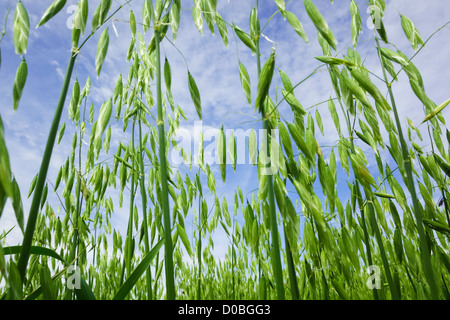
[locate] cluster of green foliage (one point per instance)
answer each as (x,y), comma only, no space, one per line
(390,219)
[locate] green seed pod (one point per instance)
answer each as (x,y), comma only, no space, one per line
(320,23)
(265,79)
(285,139)
(255,27)
(244,38)
(19,83)
(384,195)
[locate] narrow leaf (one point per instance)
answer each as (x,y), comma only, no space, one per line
(138,272)
(34,250)
(440,227)
(184,238)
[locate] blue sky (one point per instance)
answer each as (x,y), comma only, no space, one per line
(215,69)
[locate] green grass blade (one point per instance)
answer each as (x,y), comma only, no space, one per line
(32,217)
(34,250)
(168,246)
(418,213)
(84,293)
(275,253)
(137,273)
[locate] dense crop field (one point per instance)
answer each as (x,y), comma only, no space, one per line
(173,149)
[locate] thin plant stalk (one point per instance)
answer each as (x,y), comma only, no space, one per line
(393,288)
(129,242)
(168,246)
(144,210)
(75,239)
(276,259)
(326,295)
(295,295)
(155,286)
(42,176)
(423,243)
(441,187)
(233,260)
(360,202)
(199,251)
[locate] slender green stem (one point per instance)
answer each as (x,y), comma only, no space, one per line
(144,210)
(42,176)
(155,287)
(295,295)
(168,246)
(276,259)
(6,21)
(366,233)
(360,202)
(326,295)
(129,242)
(424,247)
(233,261)
(393,288)
(75,239)
(441,187)
(199,251)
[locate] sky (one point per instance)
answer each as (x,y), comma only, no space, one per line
(215,70)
